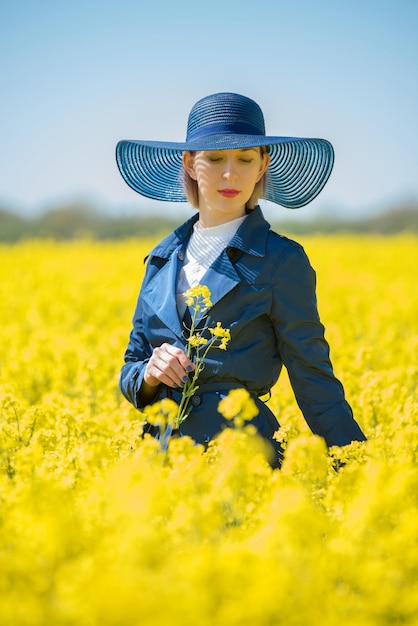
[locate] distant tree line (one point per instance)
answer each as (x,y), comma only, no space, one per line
(78,220)
(75,221)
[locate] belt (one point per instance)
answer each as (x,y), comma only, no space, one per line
(220,386)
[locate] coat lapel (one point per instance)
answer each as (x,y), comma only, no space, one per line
(220,279)
(160,293)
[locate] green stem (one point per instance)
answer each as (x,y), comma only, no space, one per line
(191,386)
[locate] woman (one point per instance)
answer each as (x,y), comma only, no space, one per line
(262,285)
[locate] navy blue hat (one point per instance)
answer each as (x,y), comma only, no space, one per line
(298,169)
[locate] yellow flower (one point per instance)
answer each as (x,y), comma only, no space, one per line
(238,406)
(161,413)
(198,297)
(224,334)
(218,331)
(197,340)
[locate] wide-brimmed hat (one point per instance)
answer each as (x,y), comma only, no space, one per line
(298,170)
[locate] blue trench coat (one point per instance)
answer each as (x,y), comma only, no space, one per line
(263,289)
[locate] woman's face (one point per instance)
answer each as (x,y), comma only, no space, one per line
(225,180)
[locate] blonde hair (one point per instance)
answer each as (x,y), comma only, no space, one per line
(192,191)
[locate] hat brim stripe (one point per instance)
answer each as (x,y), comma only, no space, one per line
(299,167)
(299,171)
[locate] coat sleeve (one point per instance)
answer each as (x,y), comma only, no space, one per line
(137,355)
(139,349)
(305,351)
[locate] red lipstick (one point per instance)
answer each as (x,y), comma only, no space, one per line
(228,193)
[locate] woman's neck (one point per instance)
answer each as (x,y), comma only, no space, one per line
(208,220)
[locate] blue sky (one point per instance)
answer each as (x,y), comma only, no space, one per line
(77,76)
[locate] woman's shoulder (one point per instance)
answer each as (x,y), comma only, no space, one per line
(260,234)
(280,244)
(288,260)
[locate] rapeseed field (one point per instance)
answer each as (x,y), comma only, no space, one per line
(98,527)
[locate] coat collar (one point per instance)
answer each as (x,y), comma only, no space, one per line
(221,277)
(251,236)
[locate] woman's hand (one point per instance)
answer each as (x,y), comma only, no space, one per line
(168,365)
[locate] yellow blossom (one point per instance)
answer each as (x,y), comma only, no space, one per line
(198,297)
(161,413)
(218,331)
(238,406)
(197,340)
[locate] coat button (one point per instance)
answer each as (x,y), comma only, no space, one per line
(180,255)
(195,400)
